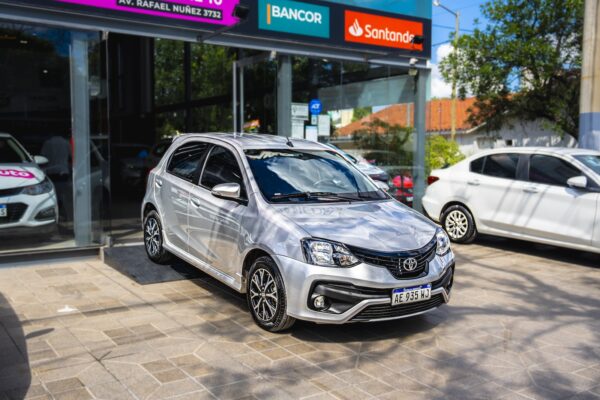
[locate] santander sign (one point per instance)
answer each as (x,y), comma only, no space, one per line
(382,31)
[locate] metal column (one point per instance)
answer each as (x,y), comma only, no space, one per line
(589,114)
(284,96)
(419,161)
(80,120)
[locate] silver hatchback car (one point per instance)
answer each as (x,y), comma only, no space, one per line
(298,229)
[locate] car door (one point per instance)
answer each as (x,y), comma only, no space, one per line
(173,188)
(214,223)
(494,191)
(552,209)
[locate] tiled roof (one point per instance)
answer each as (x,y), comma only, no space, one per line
(438,116)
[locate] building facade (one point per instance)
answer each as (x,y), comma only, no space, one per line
(96,89)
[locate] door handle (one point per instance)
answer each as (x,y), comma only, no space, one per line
(473,182)
(196,202)
(158,182)
(530,189)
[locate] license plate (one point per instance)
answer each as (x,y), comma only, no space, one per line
(411,295)
(409,198)
(3,211)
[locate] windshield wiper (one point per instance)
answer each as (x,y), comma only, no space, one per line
(314,195)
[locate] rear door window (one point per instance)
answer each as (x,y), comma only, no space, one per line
(551,170)
(501,165)
(186,160)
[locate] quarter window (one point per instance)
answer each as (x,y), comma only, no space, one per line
(186,160)
(477,165)
(222,167)
(551,170)
(501,165)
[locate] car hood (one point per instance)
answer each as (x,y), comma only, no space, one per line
(19,175)
(386,226)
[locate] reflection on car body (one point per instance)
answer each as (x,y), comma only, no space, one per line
(300,231)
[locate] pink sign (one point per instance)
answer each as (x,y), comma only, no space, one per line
(14,173)
(207,11)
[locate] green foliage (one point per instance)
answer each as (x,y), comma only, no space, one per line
(388,143)
(440,153)
(361,112)
(524,65)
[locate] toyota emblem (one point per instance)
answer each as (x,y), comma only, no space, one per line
(409,264)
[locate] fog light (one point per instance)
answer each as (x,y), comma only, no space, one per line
(320,303)
(45,214)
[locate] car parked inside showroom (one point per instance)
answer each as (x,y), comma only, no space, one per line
(28,203)
(302,232)
(545,195)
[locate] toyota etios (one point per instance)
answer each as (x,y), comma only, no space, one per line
(298,229)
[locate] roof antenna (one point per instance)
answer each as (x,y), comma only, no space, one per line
(289,142)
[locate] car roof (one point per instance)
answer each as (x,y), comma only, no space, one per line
(251,141)
(5,135)
(567,151)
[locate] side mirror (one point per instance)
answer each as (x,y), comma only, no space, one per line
(578,182)
(227,191)
(382,186)
(40,160)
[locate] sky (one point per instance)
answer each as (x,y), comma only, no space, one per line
(443,26)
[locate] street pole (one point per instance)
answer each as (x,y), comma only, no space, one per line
(589,107)
(455,75)
(456,14)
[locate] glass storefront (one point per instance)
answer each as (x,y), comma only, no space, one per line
(53,135)
(101,110)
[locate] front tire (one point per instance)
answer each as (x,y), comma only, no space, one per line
(459,224)
(265,293)
(153,239)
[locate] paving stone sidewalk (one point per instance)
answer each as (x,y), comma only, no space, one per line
(521,324)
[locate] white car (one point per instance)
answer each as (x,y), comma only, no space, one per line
(545,195)
(28,202)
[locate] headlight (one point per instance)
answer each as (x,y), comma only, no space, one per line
(443,242)
(328,254)
(35,190)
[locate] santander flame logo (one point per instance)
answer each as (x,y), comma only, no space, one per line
(355,29)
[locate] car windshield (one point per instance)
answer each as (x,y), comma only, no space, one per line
(11,152)
(591,161)
(309,176)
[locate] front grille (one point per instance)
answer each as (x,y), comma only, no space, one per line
(14,213)
(393,261)
(10,192)
(382,311)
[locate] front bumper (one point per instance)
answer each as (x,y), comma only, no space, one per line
(361,293)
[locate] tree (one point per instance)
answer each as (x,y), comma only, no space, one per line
(524,65)
(440,153)
(385,142)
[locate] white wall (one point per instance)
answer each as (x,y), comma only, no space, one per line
(530,133)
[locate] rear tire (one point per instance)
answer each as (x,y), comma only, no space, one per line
(153,239)
(265,293)
(459,224)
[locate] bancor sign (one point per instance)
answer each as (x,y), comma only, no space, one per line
(382,31)
(293,17)
(206,11)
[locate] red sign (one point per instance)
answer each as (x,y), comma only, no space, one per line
(382,31)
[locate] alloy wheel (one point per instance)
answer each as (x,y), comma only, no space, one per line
(263,295)
(456,225)
(152,236)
